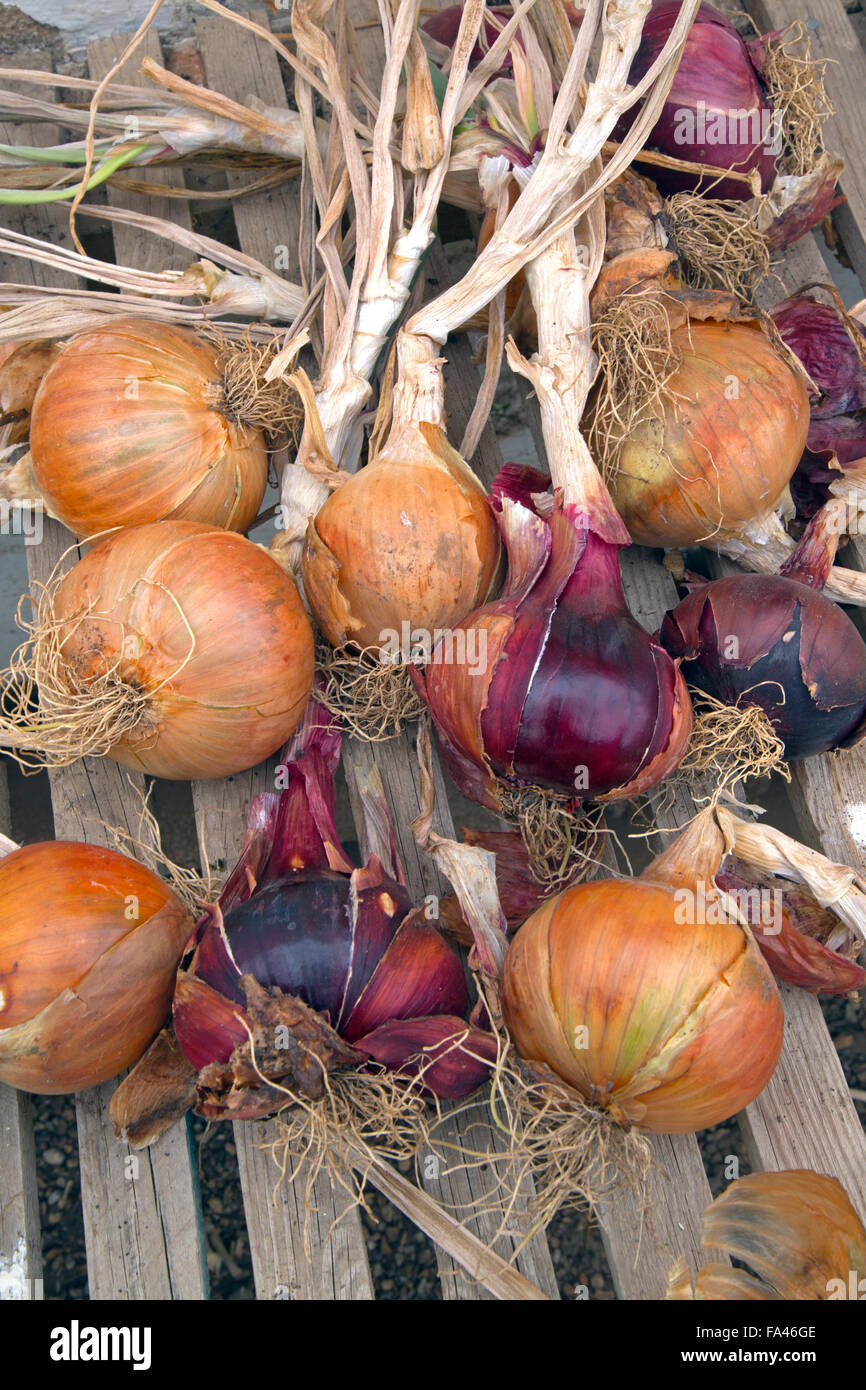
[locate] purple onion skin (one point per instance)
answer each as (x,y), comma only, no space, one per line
(818,337)
(821,667)
(296,917)
(716,69)
(575,695)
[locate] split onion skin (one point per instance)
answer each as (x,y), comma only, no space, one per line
(684,1023)
(128,426)
(244,686)
(89,945)
(712,461)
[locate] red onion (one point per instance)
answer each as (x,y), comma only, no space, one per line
(573,694)
(777,642)
(716,81)
(832,347)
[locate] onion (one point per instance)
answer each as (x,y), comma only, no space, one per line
(333,956)
(777,642)
(716,79)
(831,344)
(410,538)
(797,1232)
(89,946)
(131,424)
(665,1018)
(175,648)
(22,368)
(721,443)
(555,684)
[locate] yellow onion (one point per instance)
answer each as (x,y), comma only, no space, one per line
(721,446)
(192,639)
(89,945)
(131,424)
(797,1232)
(665,1017)
(410,538)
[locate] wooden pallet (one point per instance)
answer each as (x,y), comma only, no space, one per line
(142,1221)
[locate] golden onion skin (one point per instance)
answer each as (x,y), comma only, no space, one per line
(403,540)
(89,946)
(208,625)
(128,426)
(733,429)
(683,1022)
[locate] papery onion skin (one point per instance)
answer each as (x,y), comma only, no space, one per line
(210,627)
(407,539)
(89,945)
(796,1229)
(772,641)
(128,426)
(683,1022)
(732,430)
(716,72)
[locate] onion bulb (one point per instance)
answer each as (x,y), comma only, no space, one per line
(131,424)
(646,996)
(176,648)
(797,1232)
(777,642)
(720,446)
(410,538)
(89,945)
(555,684)
(334,958)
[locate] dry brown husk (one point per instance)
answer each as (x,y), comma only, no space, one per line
(373,698)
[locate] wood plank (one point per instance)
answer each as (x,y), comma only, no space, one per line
(133,247)
(336,1265)
(141,1220)
(20,1234)
(834,38)
(240,65)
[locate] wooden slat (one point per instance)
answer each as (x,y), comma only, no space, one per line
(141,1222)
(20,1236)
(132,246)
(335,1264)
(833,37)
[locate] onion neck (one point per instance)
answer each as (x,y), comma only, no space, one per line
(763,546)
(562,372)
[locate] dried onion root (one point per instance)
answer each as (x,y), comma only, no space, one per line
(631,337)
(372,697)
(796,81)
(729,745)
(719,242)
(562,837)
